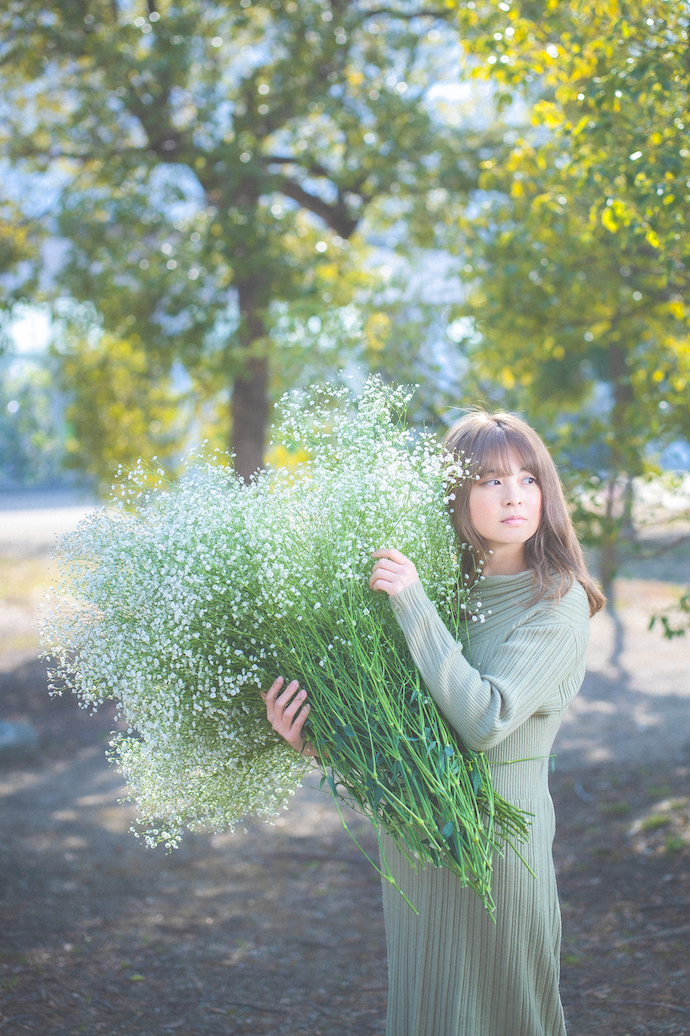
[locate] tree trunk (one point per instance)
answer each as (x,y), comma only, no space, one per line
(608,551)
(250,391)
(249,418)
(617,526)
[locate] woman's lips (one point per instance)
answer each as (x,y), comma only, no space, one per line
(515,519)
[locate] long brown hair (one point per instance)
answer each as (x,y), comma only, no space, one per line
(481,439)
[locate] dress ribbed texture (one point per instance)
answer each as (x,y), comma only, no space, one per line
(452,971)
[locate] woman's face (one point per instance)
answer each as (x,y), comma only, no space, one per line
(505,506)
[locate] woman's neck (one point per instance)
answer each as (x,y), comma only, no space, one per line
(508,560)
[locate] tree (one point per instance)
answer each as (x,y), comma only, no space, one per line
(19,239)
(31,424)
(219,156)
(121,408)
(613,78)
(581,245)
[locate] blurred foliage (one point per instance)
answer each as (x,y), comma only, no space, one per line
(579,243)
(220,158)
(19,240)
(668,620)
(613,79)
(14,243)
(418,346)
(221,162)
(122,407)
(31,421)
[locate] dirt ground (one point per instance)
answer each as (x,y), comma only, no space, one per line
(278,931)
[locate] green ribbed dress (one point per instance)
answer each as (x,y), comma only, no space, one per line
(452,971)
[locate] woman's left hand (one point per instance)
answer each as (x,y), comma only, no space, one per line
(287,713)
(392,572)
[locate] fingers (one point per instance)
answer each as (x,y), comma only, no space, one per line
(299,720)
(392,572)
(276,702)
(381,578)
(290,705)
(389,552)
(386,565)
(287,711)
(273,691)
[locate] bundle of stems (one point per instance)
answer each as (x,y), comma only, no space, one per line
(386,750)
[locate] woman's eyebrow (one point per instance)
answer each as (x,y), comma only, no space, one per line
(501,473)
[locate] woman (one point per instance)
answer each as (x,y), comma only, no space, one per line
(453,971)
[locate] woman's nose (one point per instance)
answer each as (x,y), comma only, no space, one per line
(512,495)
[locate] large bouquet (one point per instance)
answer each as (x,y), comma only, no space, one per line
(183,601)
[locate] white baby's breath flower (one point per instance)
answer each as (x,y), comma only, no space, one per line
(181,602)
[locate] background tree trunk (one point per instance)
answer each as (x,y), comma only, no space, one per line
(249,418)
(250,390)
(619,499)
(608,549)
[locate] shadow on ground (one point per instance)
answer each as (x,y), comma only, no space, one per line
(279,930)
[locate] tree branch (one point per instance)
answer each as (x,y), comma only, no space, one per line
(337,217)
(659,552)
(313,170)
(406,16)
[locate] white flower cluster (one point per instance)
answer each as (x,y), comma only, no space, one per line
(184,601)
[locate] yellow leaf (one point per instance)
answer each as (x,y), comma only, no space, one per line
(280,457)
(653,239)
(608,220)
(541,199)
(549,113)
(329,271)
(376,330)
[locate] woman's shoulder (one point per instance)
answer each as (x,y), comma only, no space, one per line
(569,607)
(515,595)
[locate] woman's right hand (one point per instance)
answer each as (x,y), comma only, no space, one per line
(287,713)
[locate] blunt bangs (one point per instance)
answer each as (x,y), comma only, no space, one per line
(491,451)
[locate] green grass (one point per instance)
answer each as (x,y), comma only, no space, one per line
(659,791)
(654,822)
(616,809)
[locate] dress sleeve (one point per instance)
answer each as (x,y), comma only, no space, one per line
(484,708)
